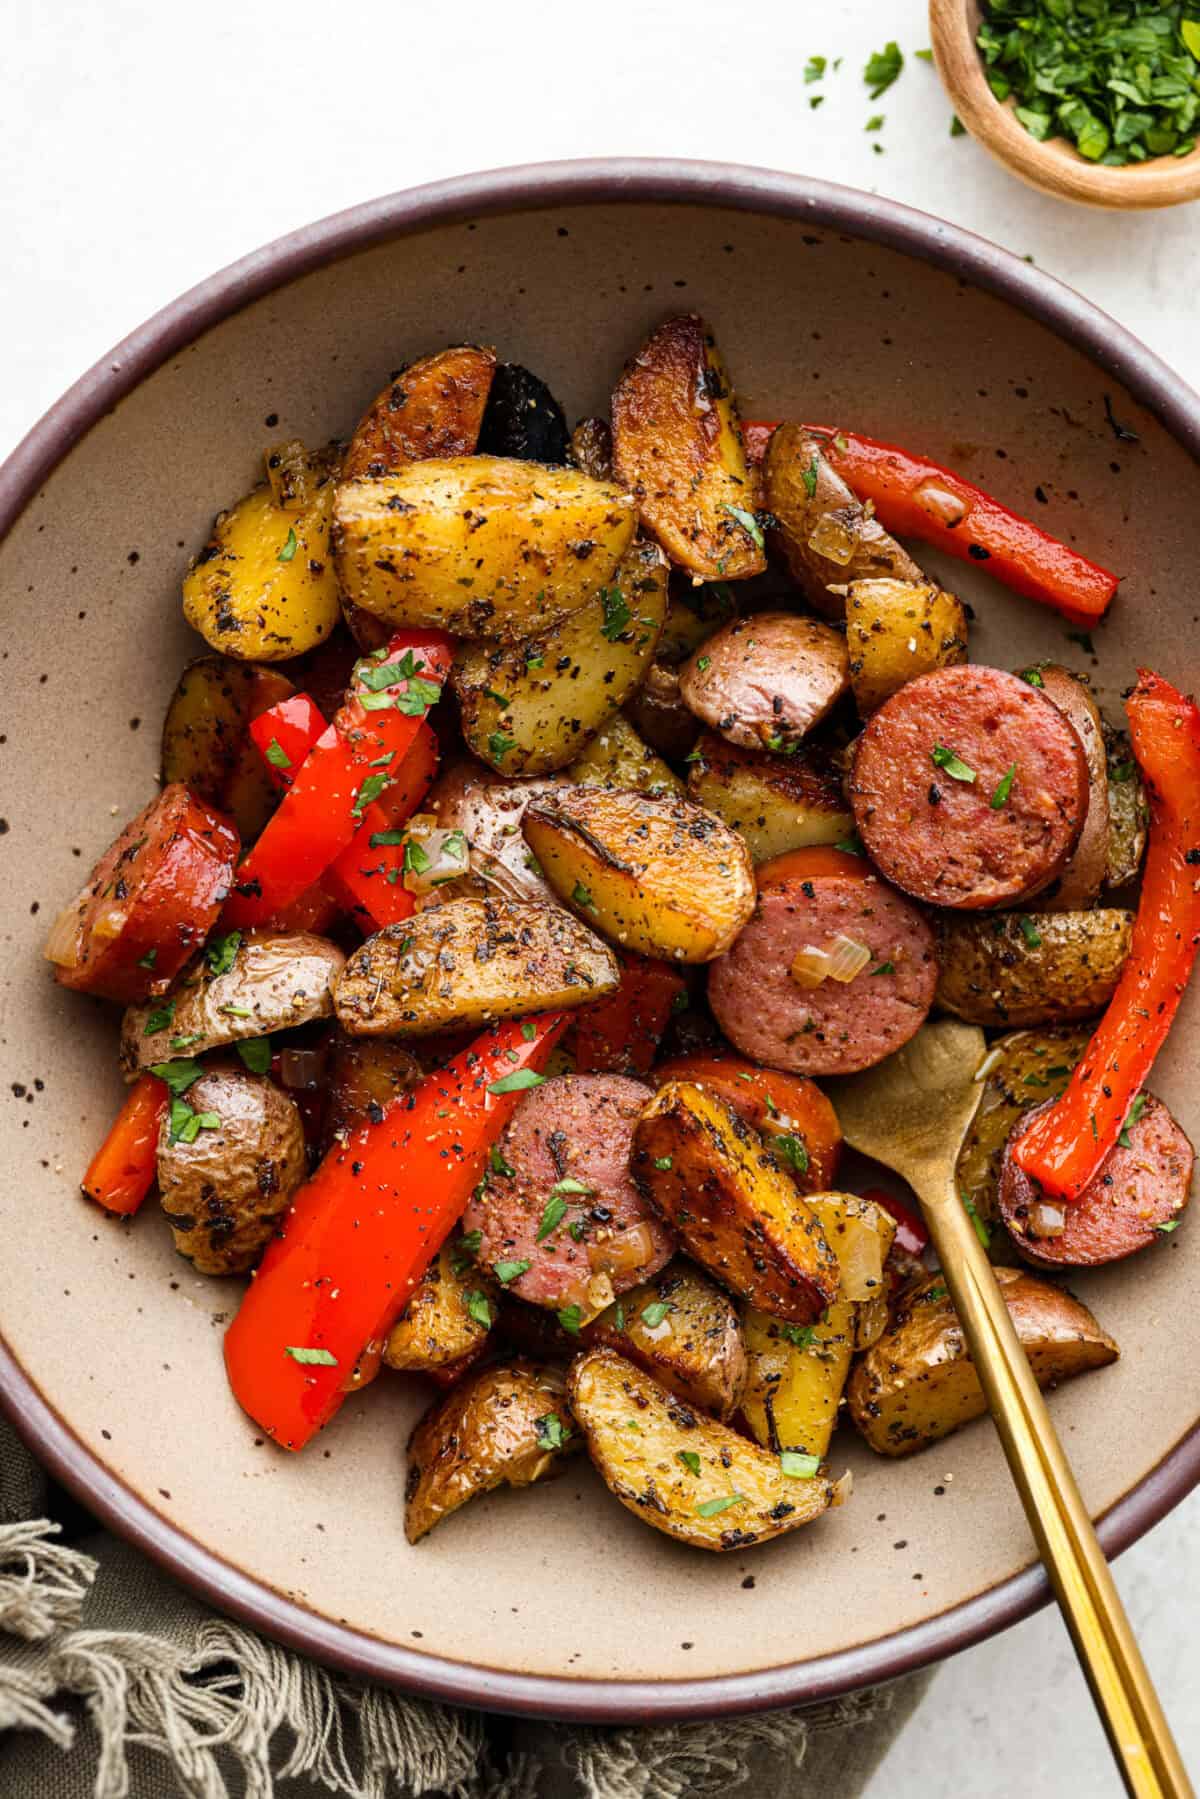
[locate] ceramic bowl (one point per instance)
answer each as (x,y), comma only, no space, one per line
(830,305)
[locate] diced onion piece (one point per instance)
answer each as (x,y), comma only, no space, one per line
(591,1296)
(948,508)
(432,857)
(842,961)
(835,535)
(994,1055)
(859,1250)
(62,945)
(623,1251)
(110,923)
(842,1488)
(1046,1220)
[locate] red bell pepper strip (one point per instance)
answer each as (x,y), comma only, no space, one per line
(348,767)
(911,1233)
(359,1235)
(122,1171)
(1063,1147)
(284,734)
(915,497)
(371,871)
(621,1034)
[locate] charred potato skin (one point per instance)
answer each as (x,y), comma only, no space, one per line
(470,962)
(523,418)
(223,1193)
(437,1329)
(896,630)
(1023,1069)
(654,875)
(917,1383)
(263,588)
(365,1075)
(483,1435)
(434,407)
(206,742)
(993,973)
(276,981)
(737,1213)
(678,444)
(775,803)
(536,544)
(643,1468)
(703,1356)
(530,708)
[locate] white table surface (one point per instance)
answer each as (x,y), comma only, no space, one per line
(144,144)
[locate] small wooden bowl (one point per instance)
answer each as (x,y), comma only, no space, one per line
(1055,166)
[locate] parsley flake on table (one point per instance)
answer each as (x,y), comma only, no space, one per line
(883,69)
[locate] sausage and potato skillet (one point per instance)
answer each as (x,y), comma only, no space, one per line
(549,812)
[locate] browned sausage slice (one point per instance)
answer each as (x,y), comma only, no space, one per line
(969,788)
(836,1027)
(1142,1185)
(559,1197)
(763,682)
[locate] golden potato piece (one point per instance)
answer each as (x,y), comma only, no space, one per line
(501,1426)
(1020,968)
(528,708)
(678,443)
(653,874)
(1128,812)
(737,1213)
(617,757)
(206,740)
(776,803)
(896,630)
(433,408)
(443,1322)
(684,1474)
(263,588)
(918,1383)
(591,448)
(684,1331)
(829,539)
(364,1076)
(295,474)
(659,715)
(796,1375)
(860,1233)
(1022,1070)
(470,962)
(484,546)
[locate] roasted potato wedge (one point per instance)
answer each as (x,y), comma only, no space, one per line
(684,1474)
(678,444)
(659,715)
(501,1426)
(529,708)
(796,1376)
(918,1383)
(776,803)
(617,757)
(483,546)
(828,538)
(432,408)
(365,1074)
(296,474)
(712,1177)
(470,962)
(685,1331)
(1079,883)
(694,614)
(896,630)
(1128,813)
(263,588)
(1018,968)
(860,1233)
(206,742)
(590,448)
(653,874)
(1022,1069)
(268,981)
(443,1322)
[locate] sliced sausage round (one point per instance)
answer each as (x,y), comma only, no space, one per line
(559,1196)
(1083,874)
(150,901)
(223,1183)
(969,788)
(836,1027)
(1142,1185)
(763,682)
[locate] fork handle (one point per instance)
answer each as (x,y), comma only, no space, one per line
(1138,1732)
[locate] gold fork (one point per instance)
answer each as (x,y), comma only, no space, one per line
(911,1113)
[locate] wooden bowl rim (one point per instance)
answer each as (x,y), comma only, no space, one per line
(1054,166)
(601,181)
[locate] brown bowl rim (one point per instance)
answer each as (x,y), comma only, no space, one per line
(616,180)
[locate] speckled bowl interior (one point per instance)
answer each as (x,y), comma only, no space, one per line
(830,306)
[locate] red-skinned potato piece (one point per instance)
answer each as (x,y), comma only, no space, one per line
(149,903)
(789,1110)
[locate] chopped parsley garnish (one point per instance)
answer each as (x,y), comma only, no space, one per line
(1169,1225)
(552,1216)
(814,68)
(529,1030)
(800,1336)
(517,1081)
(690,1460)
(810,475)
(386,840)
(1135,1112)
(885,968)
(1029,931)
(177,1075)
(551,1432)
(852,846)
(219,954)
(703,662)
(370,790)
(662,1163)
(501,700)
(1122,771)
(149,959)
(185,1125)
(311,1358)
(186,1041)
(571,1318)
(290,547)
(709,1508)
(748,522)
(256,1054)
(876,123)
(800,1467)
(499,744)
(1033,676)
(1003,788)
(936,1293)
(277,756)
(415,861)
(655,1312)
(883,69)
(792,1150)
(159,1020)
(571,1185)
(616,613)
(981,1229)
(479,1307)
(508,1271)
(953,765)
(581,896)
